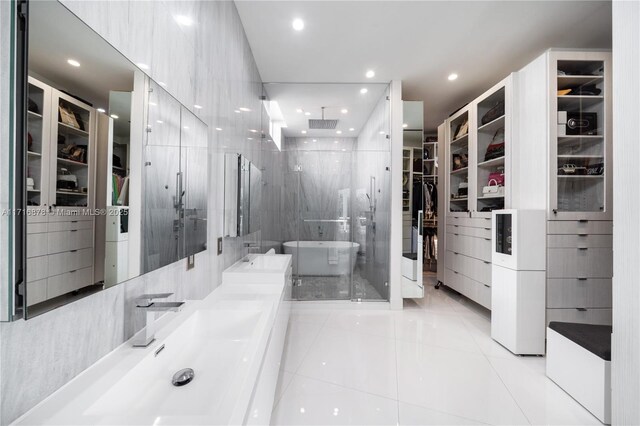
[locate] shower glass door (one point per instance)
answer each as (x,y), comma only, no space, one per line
(324,255)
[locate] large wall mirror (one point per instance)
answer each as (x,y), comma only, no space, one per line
(116,169)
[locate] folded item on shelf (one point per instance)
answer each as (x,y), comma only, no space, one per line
(595,169)
(584,90)
(496,111)
(564,92)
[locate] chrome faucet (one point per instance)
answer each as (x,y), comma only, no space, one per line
(146,303)
(252,245)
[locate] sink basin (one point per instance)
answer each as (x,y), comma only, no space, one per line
(260,269)
(214,343)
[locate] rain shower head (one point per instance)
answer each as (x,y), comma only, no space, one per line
(322,124)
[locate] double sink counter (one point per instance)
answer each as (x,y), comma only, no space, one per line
(233,340)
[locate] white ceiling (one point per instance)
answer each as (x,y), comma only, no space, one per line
(418,42)
(335,97)
(55,35)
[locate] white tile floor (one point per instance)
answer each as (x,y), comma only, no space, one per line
(432,363)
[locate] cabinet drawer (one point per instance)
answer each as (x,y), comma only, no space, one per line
(79,215)
(484,295)
(579,263)
(580,227)
(70,225)
(469,231)
(454,280)
(70,281)
(586,316)
(479,248)
(37,244)
(582,240)
(76,239)
(70,261)
(471,222)
(574,293)
(37,268)
(476,269)
(36,292)
(36,228)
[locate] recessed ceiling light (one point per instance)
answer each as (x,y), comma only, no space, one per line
(364,90)
(306,141)
(335,142)
(314,140)
(142,66)
(298,24)
(224,146)
(183,20)
(196,106)
(162,83)
(351,129)
(153,103)
(337,161)
(339,132)
(249,139)
(452,76)
(299,110)
(304,132)
(253,130)
(344,149)
(100,110)
(218,129)
(307,113)
(370,74)
(115,117)
(159,121)
(73,62)
(244,109)
(237,111)
(381,132)
(186,127)
(344,110)
(405,125)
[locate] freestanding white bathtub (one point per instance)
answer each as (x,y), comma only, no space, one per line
(322,258)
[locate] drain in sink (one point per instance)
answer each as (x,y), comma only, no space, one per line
(183,377)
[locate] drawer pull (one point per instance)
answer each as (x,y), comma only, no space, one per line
(74,221)
(455,226)
(486,285)
(583,221)
(487,239)
(487,229)
(583,248)
(456,234)
(486,263)
(582,279)
(581,309)
(71,272)
(455,272)
(583,235)
(72,251)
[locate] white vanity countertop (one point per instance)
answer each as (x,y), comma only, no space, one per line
(223,338)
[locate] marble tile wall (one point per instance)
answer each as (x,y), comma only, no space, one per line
(209,64)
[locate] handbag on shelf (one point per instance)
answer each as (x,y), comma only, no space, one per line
(571,169)
(463,189)
(493,188)
(596,169)
(462,129)
(496,147)
(497,177)
(67,117)
(495,112)
(460,161)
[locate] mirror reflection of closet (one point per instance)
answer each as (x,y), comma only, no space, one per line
(412,198)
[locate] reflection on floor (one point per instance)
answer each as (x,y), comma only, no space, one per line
(432,363)
(335,288)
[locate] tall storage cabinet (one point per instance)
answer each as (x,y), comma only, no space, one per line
(60,193)
(564,99)
(477,169)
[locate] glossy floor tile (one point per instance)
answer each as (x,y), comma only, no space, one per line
(433,363)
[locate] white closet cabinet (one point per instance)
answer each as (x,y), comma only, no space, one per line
(60,228)
(476,158)
(564,99)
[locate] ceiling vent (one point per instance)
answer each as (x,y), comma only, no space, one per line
(322,124)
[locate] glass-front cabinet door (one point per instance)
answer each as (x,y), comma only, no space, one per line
(458,169)
(72,153)
(38,128)
(580,172)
